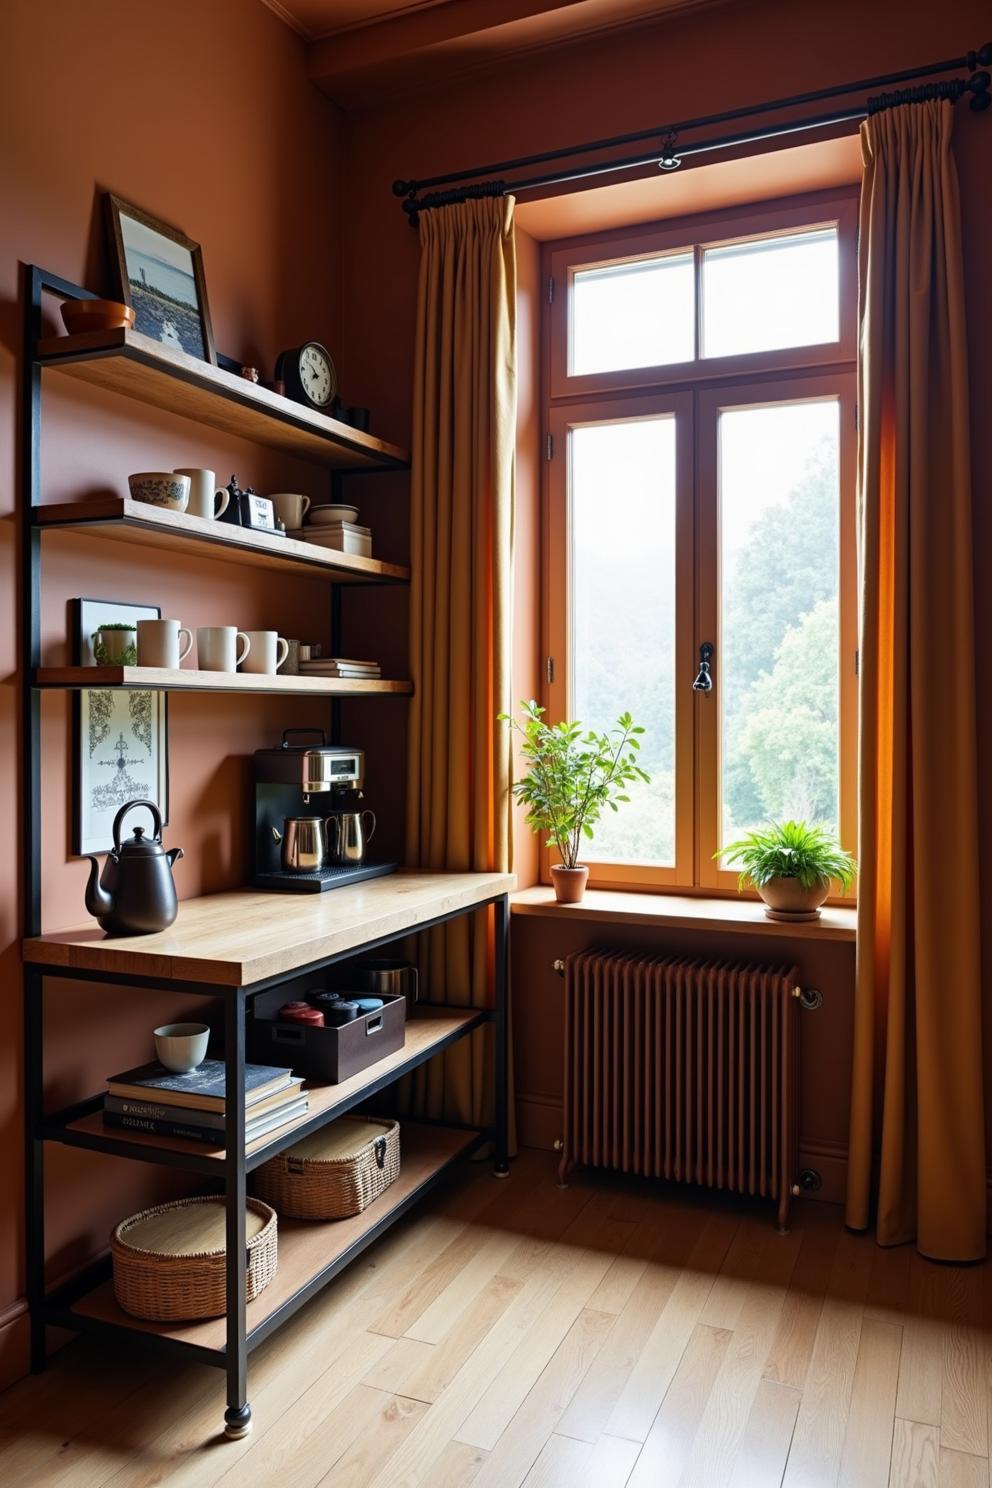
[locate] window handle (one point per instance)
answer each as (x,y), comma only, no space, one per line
(704,679)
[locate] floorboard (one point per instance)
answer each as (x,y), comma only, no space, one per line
(608,1335)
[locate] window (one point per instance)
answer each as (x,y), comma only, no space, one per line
(700,490)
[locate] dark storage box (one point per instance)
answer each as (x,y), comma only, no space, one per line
(326,1055)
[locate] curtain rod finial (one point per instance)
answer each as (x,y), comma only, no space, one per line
(404,188)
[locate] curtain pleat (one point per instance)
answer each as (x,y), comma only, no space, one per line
(917,1147)
(459,770)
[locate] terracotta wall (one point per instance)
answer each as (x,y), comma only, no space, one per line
(203,115)
(745,52)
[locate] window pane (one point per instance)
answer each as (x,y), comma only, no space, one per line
(622,495)
(777,292)
(778,658)
(633,315)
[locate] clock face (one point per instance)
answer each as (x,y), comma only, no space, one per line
(316,374)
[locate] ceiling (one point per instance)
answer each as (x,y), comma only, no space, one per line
(362,50)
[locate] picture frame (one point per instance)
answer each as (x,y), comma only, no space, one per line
(120,737)
(159,275)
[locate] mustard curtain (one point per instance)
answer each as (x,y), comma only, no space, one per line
(459,770)
(917,1100)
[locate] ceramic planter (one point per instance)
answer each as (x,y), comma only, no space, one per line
(570,883)
(787,899)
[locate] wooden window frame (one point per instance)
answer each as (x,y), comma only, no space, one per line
(695,392)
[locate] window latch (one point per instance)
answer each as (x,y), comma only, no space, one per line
(704,679)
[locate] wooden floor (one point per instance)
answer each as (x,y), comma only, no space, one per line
(515,1334)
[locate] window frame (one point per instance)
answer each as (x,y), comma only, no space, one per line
(694,392)
(712,230)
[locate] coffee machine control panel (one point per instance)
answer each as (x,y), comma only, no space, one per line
(311,771)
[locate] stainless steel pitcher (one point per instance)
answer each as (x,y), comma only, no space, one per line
(386,976)
(350,833)
(304,843)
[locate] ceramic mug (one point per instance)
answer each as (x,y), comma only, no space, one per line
(217,648)
(290,508)
(182,1047)
(266,651)
(159,643)
(204,496)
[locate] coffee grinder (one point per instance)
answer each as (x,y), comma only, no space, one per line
(303,795)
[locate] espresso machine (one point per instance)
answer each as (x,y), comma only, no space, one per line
(312,828)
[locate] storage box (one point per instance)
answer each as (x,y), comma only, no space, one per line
(335,1172)
(326,1055)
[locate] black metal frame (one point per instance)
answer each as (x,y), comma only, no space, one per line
(669,152)
(232,1170)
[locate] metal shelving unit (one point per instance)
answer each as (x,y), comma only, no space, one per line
(307,940)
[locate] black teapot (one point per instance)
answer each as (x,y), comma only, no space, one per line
(136,894)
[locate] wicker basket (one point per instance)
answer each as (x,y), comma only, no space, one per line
(334,1173)
(169,1262)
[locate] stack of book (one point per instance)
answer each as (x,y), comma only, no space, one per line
(340,666)
(153,1099)
(347,537)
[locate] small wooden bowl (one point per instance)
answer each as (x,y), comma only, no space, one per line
(96,315)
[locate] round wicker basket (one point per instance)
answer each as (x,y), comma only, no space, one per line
(334,1173)
(169,1262)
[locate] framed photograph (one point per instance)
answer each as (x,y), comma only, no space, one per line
(120,737)
(160,275)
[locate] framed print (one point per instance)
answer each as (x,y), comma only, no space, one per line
(160,275)
(120,736)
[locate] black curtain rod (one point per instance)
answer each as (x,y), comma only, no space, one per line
(670,153)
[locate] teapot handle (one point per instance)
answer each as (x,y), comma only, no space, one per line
(129,806)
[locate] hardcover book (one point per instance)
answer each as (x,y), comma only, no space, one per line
(202,1089)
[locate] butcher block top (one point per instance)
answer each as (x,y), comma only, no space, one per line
(247,935)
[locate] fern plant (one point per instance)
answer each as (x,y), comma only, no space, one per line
(574,775)
(810,854)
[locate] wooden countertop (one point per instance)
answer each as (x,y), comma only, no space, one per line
(684,912)
(247,935)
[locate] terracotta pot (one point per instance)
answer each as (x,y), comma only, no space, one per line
(570,883)
(786,899)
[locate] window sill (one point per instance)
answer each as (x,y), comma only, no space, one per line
(731,916)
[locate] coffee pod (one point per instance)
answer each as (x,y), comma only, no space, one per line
(301,1012)
(339,1012)
(368,1004)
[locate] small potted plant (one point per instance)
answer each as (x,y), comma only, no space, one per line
(791,864)
(574,775)
(115,644)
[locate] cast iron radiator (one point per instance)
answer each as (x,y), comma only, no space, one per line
(683,1069)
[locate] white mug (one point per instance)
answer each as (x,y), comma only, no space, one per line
(216,648)
(266,651)
(203,495)
(290,508)
(159,643)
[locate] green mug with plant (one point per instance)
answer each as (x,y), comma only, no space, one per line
(574,775)
(791,864)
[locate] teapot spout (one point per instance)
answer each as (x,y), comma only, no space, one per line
(173,854)
(98,902)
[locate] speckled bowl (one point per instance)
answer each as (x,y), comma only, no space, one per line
(160,488)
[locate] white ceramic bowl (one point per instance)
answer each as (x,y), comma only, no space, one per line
(160,488)
(182,1046)
(326,516)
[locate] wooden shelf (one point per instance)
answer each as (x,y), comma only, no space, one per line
(684,912)
(428,1032)
(166,679)
(134,365)
(246,936)
(309,1250)
(120,519)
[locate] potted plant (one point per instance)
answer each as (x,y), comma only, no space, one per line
(573,775)
(115,644)
(791,864)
